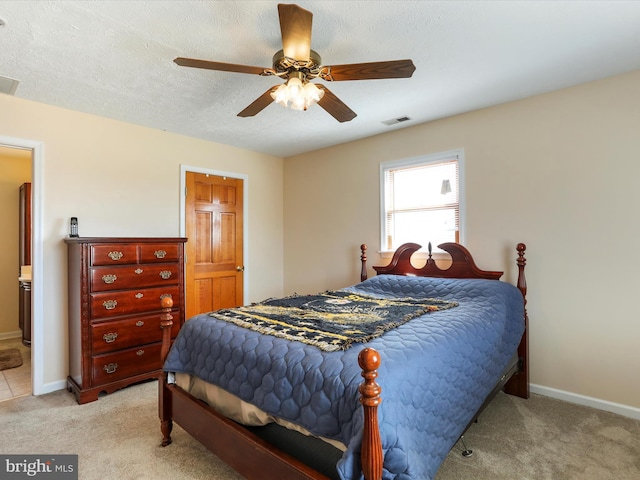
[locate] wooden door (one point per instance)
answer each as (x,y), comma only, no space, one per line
(213,218)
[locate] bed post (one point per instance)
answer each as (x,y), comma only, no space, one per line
(518,385)
(164,396)
(371,454)
(363,261)
(166,322)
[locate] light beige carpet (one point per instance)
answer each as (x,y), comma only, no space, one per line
(546,439)
(118,437)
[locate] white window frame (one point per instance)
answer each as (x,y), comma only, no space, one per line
(439,157)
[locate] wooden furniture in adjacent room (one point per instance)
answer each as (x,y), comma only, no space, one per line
(115,289)
(24,263)
(24,246)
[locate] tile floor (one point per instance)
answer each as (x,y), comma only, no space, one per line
(16,382)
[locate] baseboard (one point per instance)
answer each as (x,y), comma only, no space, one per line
(620,409)
(8,335)
(54,386)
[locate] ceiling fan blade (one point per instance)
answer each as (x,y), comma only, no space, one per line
(259,104)
(335,107)
(295,27)
(225,67)
(368,71)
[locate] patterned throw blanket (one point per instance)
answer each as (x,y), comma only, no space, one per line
(331,321)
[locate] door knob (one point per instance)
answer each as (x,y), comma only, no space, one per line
(240,268)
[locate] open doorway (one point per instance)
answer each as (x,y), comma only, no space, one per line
(31,151)
(15,265)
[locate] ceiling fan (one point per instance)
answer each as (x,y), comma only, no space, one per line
(298,64)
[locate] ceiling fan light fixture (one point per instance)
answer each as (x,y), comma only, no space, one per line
(296,94)
(312,93)
(298,103)
(279,95)
(294,88)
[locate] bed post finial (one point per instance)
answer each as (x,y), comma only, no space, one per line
(166,322)
(363,261)
(371,454)
(521,261)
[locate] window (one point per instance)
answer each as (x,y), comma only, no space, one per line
(421,200)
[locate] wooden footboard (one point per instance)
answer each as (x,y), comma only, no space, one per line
(241,449)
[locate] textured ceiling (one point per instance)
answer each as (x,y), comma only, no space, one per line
(114,59)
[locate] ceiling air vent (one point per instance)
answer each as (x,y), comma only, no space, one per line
(393,121)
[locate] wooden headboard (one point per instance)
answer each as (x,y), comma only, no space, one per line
(462,263)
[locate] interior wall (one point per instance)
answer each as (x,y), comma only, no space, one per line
(121,179)
(555,171)
(16,170)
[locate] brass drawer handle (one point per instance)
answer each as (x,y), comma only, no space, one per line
(110,304)
(165,274)
(111,368)
(115,256)
(139,323)
(110,337)
(160,253)
(109,278)
(139,295)
(138,271)
(140,353)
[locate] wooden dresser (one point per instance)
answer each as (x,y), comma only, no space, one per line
(115,289)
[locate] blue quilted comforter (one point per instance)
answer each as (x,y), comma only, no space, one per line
(436,371)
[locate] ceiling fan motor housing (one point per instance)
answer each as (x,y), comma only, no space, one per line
(285,66)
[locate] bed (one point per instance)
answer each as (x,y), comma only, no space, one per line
(462,338)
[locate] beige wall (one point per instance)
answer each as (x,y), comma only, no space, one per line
(123,180)
(556,171)
(15,168)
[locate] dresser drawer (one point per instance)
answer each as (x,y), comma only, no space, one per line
(127,363)
(111,304)
(115,254)
(160,252)
(134,276)
(114,335)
